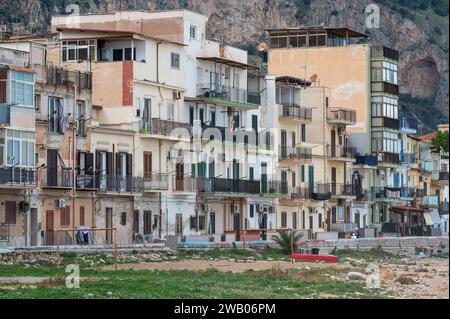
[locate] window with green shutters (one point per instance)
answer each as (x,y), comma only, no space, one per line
(201,169)
(193,170)
(302,173)
(303,127)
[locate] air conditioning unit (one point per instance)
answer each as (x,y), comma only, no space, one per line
(177,95)
(60,203)
(235,208)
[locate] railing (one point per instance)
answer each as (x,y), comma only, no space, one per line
(62,77)
(341,115)
(297,153)
(341,151)
(430,201)
(321,191)
(227,185)
(369,160)
(274,187)
(426,166)
(342,189)
(408,124)
(5,114)
(420,193)
(385,192)
(85,181)
(166,128)
(155,181)
(440,175)
(407,158)
(386,122)
(184,183)
(117,183)
(300,193)
(57,178)
(296,112)
(4,232)
(228,93)
(17,176)
(407,192)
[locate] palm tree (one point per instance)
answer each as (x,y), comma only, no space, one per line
(284,240)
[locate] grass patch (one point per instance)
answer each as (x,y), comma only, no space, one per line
(368,256)
(235,253)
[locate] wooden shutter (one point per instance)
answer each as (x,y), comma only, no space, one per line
(10,212)
(82,217)
(147,222)
(109,163)
(52,167)
(147,164)
(117,172)
(129,165)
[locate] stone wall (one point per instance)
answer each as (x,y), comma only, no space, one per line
(394,245)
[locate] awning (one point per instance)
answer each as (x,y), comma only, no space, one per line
(435,216)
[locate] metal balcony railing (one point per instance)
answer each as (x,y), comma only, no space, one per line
(321,191)
(300,193)
(17,176)
(369,160)
(274,187)
(385,192)
(407,192)
(228,185)
(426,166)
(342,189)
(341,116)
(117,183)
(155,181)
(296,112)
(295,153)
(341,151)
(227,93)
(166,128)
(184,183)
(57,178)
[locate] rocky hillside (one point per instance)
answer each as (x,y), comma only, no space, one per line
(417,28)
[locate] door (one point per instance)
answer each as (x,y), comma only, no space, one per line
(333,143)
(333,180)
(311,178)
(121,170)
(147,165)
(347,214)
(235,175)
(357,219)
(49,228)
(135,224)
(333,215)
(102,168)
(283,144)
(212,223)
(264,177)
(33,227)
(179,176)
(237,226)
(284,183)
(52,167)
(191,116)
(146,116)
(147,222)
(108,224)
(263,225)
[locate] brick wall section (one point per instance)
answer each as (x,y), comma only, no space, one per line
(392,244)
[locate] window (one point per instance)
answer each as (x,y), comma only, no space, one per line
(385,142)
(193,32)
(175,60)
(340,213)
(82,216)
(20,147)
(78,50)
(294,220)
(303,128)
(302,173)
(179,223)
(54,114)
(170,110)
(22,88)
(37,102)
(65,216)
(283,219)
(383,106)
(293,179)
(303,220)
(3,79)
(252,211)
(320,221)
(201,222)
(146,114)
(123,218)
(390,72)
(10,212)
(81,118)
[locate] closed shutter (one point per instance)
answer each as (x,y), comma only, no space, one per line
(147,164)
(118,170)
(82,217)
(10,212)
(109,163)
(147,222)
(52,167)
(129,171)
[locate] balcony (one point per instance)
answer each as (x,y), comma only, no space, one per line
(390,158)
(274,188)
(408,125)
(166,128)
(184,184)
(439,177)
(385,87)
(295,153)
(228,185)
(385,122)
(407,193)
(61,77)
(430,201)
(321,192)
(407,158)
(155,181)
(342,190)
(426,167)
(17,177)
(117,183)
(341,116)
(228,96)
(295,113)
(300,193)
(385,193)
(14,57)
(368,160)
(421,193)
(341,152)
(384,52)
(53,178)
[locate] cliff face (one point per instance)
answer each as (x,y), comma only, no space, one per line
(419,33)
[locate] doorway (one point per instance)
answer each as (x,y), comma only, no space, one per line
(237,226)
(49,226)
(33,227)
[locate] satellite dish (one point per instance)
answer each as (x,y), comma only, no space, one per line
(262,47)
